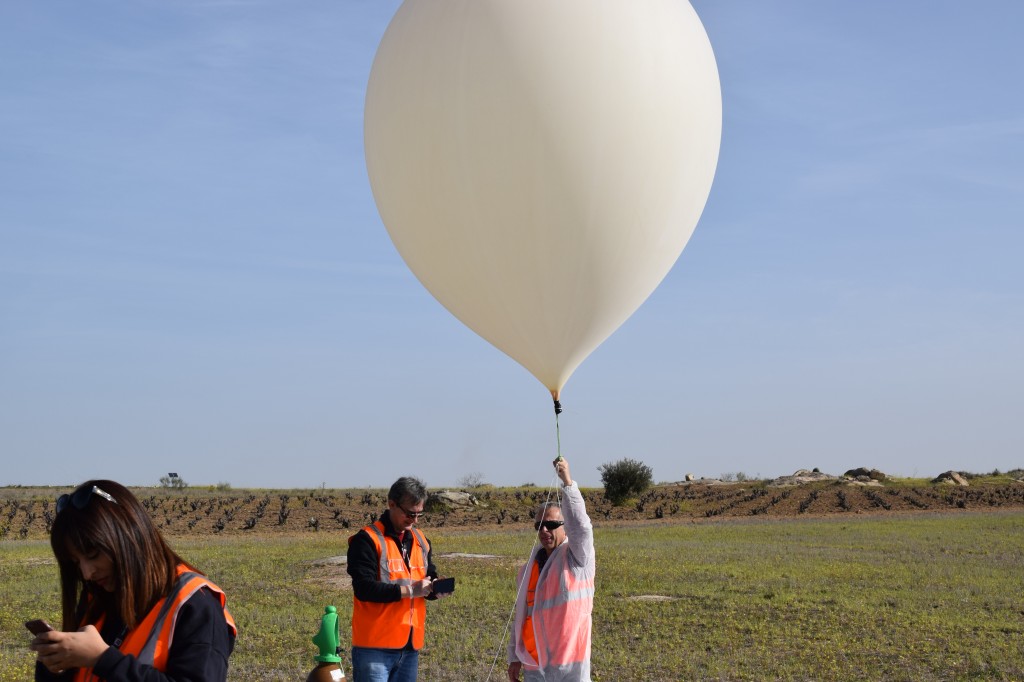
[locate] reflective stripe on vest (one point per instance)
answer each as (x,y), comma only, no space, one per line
(150,640)
(387,625)
(581,589)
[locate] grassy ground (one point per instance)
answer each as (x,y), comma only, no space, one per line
(900,597)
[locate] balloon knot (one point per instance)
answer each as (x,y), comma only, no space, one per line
(558,407)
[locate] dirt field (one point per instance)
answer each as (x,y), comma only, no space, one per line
(27,513)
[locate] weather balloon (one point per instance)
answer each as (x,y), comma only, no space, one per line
(539,164)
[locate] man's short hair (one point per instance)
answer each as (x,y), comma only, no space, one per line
(543,507)
(407,488)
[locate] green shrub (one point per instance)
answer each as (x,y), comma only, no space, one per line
(624,479)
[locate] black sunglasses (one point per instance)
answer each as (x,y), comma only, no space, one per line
(411,515)
(80,498)
(548,525)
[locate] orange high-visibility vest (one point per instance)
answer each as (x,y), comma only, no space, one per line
(380,625)
(529,640)
(150,640)
(560,615)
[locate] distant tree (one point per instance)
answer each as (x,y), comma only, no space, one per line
(473,479)
(173,481)
(624,479)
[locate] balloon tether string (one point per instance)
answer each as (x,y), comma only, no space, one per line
(522,581)
(558,435)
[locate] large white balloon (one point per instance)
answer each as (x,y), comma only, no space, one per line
(540,164)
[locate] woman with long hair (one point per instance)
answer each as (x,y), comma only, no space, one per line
(133,610)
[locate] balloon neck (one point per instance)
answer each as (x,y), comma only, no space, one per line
(558,405)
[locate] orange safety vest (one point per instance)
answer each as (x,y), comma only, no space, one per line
(554,613)
(150,640)
(560,614)
(385,625)
(529,638)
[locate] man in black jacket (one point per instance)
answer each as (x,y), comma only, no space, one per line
(390,561)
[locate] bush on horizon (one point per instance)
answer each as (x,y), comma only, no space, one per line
(624,479)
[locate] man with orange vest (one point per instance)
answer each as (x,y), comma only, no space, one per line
(551,636)
(392,571)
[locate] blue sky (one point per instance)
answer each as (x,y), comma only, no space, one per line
(194,277)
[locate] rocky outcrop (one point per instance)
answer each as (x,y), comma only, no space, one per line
(863,474)
(451,499)
(951,478)
(801,476)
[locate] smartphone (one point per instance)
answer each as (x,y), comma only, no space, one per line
(443,585)
(38,626)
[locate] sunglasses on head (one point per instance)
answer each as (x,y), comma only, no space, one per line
(80,498)
(548,525)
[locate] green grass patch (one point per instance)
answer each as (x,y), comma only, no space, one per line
(934,597)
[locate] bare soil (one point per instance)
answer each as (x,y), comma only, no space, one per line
(27,513)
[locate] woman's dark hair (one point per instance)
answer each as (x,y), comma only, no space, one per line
(145,567)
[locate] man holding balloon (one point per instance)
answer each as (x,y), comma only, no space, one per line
(551,636)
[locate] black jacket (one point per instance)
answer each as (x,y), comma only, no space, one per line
(199,651)
(363,564)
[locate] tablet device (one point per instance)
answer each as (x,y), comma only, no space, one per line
(443,585)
